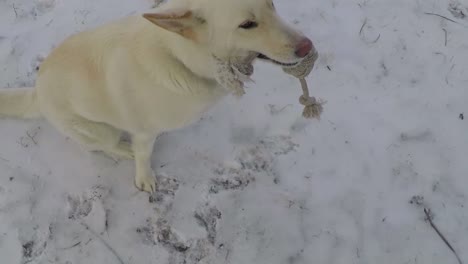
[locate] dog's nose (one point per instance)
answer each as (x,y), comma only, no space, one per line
(304,47)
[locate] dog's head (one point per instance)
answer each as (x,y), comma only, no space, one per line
(235,28)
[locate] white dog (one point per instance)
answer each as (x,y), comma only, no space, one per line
(153,73)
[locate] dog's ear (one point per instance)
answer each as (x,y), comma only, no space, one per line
(181,22)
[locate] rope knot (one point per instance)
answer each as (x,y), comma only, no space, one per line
(307,100)
(313,108)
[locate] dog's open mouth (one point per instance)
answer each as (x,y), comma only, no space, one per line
(284,64)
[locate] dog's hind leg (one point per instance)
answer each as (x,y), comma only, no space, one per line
(96,136)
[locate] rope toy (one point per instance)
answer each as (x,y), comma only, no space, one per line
(232,75)
(313,108)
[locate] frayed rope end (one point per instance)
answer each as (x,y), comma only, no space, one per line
(313,108)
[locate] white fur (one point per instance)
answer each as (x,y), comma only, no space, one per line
(132,75)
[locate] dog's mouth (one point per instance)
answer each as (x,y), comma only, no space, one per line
(284,64)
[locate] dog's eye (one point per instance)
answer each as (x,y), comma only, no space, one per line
(248,24)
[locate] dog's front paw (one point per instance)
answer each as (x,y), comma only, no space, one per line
(146,183)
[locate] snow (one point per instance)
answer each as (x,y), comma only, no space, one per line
(253,182)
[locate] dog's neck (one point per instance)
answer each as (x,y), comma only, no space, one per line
(192,64)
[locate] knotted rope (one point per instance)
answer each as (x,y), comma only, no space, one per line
(313,108)
(233,74)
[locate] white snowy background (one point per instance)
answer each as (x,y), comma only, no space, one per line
(253,182)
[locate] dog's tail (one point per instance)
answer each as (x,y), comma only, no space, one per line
(19,103)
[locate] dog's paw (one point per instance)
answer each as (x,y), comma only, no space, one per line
(146,183)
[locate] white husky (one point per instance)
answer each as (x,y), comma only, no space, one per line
(150,73)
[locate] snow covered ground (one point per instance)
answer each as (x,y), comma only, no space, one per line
(253,182)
